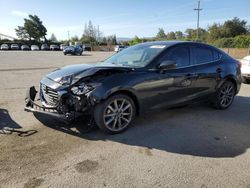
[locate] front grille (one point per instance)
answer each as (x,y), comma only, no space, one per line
(49,95)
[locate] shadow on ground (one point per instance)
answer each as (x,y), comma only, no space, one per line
(9,126)
(194,130)
(79,55)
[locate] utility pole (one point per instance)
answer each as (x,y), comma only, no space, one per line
(68,35)
(198,9)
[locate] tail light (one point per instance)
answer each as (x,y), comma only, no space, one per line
(239,63)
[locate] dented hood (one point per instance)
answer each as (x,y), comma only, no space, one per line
(81,70)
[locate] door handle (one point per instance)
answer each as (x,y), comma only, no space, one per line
(191,75)
(219,70)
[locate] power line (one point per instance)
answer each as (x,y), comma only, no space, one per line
(198,9)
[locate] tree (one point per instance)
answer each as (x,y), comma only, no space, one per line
(21,33)
(215,31)
(136,40)
(114,40)
(171,36)
(234,27)
(90,33)
(191,34)
(161,34)
(104,40)
(53,38)
(179,35)
(230,28)
(33,28)
(74,39)
(98,34)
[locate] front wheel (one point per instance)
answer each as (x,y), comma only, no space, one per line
(224,96)
(115,114)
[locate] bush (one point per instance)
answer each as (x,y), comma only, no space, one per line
(241,41)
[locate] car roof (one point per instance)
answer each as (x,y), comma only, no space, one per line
(171,43)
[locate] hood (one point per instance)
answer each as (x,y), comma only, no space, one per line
(82,70)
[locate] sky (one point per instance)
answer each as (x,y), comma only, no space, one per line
(125,18)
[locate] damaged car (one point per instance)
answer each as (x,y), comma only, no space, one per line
(140,78)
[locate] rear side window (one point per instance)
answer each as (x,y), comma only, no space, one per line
(178,54)
(202,55)
(217,55)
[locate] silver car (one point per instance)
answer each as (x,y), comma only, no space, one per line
(34,48)
(14,47)
(25,47)
(4,47)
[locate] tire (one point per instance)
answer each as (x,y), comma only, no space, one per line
(224,96)
(115,114)
(246,80)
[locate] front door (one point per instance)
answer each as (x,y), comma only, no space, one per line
(173,86)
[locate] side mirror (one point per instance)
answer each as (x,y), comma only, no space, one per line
(167,64)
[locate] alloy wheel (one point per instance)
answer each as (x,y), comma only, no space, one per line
(118,114)
(226,95)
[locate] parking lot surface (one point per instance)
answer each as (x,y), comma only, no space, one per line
(193,146)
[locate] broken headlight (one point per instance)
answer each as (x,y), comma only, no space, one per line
(81,89)
(66,80)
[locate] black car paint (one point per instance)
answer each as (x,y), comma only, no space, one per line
(73,50)
(151,87)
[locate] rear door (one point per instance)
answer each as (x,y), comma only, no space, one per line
(207,64)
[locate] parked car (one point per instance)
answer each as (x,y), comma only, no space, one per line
(4,47)
(73,50)
(86,47)
(14,47)
(35,48)
(54,47)
(63,46)
(45,47)
(119,48)
(143,77)
(25,47)
(245,69)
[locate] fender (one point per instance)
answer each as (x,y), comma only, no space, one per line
(94,98)
(231,78)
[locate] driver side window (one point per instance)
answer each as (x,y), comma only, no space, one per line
(178,54)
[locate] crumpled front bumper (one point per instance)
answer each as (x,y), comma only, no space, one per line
(32,106)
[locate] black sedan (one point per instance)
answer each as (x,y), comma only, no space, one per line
(139,78)
(73,50)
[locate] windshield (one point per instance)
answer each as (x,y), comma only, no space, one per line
(136,56)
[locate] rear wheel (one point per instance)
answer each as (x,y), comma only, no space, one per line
(115,114)
(225,95)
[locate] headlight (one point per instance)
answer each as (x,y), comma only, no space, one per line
(66,80)
(81,89)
